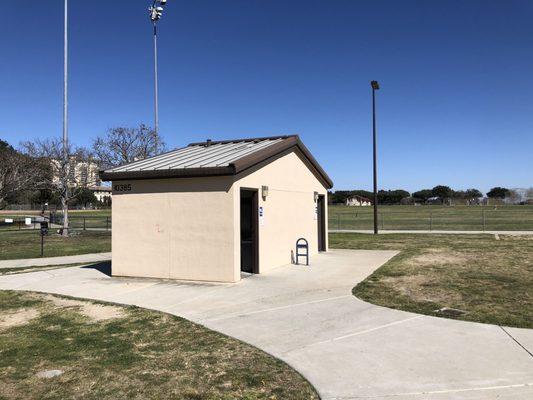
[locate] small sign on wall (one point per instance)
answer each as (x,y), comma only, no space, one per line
(316,212)
(261,216)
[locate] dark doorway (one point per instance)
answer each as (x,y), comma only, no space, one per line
(249,231)
(321,213)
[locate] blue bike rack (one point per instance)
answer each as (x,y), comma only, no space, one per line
(301,244)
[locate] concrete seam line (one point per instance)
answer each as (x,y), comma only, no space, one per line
(277,308)
(358,333)
(519,385)
(516,341)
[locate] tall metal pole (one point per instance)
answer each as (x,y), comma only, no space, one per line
(375,161)
(65,118)
(156,110)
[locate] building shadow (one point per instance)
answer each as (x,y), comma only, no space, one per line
(103,267)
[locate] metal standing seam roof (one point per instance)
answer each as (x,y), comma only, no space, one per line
(213,158)
(198,156)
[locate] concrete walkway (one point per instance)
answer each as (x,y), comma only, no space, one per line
(433,231)
(306,316)
(45,261)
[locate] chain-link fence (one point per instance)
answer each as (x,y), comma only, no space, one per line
(447,219)
(77,223)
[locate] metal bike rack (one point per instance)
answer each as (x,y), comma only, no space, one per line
(301,244)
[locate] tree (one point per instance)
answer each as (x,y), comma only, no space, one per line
(62,179)
(17,172)
(392,196)
(423,195)
(124,145)
(442,192)
(513,196)
(473,194)
(85,196)
(498,192)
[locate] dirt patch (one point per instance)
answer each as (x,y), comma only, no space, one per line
(95,312)
(439,256)
(18,317)
(421,288)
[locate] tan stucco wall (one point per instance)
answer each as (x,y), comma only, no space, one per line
(189,228)
(289,209)
(174,228)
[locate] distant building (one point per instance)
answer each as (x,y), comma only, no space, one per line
(102,193)
(81,174)
(358,201)
(434,200)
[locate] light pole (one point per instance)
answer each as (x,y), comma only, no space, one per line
(375,86)
(156,11)
(65,118)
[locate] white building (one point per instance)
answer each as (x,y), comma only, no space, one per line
(358,201)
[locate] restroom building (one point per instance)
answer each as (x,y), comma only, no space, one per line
(213,210)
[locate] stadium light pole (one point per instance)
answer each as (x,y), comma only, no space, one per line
(156,11)
(65,114)
(375,86)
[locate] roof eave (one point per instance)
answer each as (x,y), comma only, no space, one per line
(167,173)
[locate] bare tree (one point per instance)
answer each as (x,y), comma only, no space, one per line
(68,176)
(529,194)
(124,145)
(17,172)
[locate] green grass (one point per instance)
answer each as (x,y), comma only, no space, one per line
(492,280)
(474,218)
(136,354)
(27,244)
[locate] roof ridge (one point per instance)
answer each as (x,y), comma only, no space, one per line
(252,139)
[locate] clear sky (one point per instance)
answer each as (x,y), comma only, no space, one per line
(455,108)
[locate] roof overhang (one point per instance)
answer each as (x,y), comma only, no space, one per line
(264,155)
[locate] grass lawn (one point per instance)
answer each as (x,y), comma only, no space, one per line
(492,280)
(471,218)
(112,352)
(27,244)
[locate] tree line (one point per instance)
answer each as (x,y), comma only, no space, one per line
(439,194)
(45,171)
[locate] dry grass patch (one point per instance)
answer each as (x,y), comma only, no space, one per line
(72,348)
(17,317)
(490,279)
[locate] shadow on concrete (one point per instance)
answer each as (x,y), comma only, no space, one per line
(103,267)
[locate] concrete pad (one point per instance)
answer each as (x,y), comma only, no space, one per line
(306,316)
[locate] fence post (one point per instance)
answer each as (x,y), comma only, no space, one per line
(430,221)
(382,220)
(84,227)
(483,217)
(106,223)
(338,222)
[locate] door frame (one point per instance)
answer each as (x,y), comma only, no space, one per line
(321,222)
(255,227)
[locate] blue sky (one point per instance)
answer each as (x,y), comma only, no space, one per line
(456,105)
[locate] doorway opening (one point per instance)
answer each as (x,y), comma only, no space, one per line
(249,231)
(321,221)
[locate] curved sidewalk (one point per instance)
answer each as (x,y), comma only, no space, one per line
(63,260)
(307,316)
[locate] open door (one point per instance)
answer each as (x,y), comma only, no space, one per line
(249,231)
(321,215)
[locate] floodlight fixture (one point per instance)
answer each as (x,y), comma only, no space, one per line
(375,85)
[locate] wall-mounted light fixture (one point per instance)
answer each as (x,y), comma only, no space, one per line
(264,192)
(315,196)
